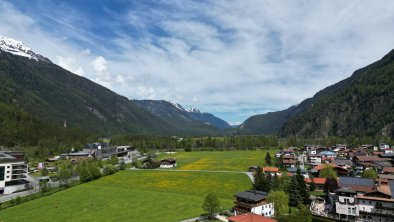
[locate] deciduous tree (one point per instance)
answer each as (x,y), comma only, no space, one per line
(281,202)
(211,204)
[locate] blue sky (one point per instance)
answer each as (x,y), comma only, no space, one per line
(232,58)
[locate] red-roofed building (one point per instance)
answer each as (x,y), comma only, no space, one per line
(319,182)
(250,217)
(272,170)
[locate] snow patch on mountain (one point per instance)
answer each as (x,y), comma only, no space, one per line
(18,48)
(178,106)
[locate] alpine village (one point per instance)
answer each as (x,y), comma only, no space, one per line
(75,149)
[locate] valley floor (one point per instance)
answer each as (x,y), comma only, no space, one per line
(139,195)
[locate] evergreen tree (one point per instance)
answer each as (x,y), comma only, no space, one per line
(261,182)
(312,186)
(275,184)
(269,182)
(302,187)
(268,160)
(294,193)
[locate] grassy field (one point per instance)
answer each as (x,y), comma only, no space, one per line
(140,195)
(219,160)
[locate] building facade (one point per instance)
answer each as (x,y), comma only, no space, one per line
(13,171)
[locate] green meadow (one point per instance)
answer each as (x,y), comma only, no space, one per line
(133,195)
(220,160)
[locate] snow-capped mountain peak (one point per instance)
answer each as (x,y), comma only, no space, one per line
(192,110)
(18,48)
(178,106)
(189,110)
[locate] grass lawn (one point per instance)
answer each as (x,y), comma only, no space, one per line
(219,160)
(140,195)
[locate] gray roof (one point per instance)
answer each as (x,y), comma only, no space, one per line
(391,183)
(253,195)
(294,170)
(356,181)
(343,162)
(346,190)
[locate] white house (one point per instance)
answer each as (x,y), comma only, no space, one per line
(253,201)
(168,163)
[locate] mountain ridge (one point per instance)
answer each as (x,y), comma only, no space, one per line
(175,114)
(311,119)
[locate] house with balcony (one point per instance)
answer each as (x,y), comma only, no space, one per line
(378,205)
(345,198)
(13,172)
(315,159)
(253,201)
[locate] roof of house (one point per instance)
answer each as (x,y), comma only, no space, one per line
(374,198)
(253,195)
(388,170)
(391,184)
(250,217)
(288,157)
(316,180)
(321,166)
(291,161)
(343,181)
(342,162)
(370,158)
(385,189)
(270,169)
(294,170)
(168,160)
(386,176)
(357,184)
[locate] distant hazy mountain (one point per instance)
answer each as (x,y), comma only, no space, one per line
(177,116)
(33,84)
(361,105)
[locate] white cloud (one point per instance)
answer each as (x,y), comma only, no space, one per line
(99,64)
(235,58)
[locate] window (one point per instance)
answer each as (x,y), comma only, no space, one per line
(1,173)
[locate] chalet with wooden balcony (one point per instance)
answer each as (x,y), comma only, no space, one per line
(253,201)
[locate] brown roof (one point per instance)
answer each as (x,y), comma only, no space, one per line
(370,158)
(374,198)
(250,217)
(388,170)
(321,166)
(289,161)
(289,157)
